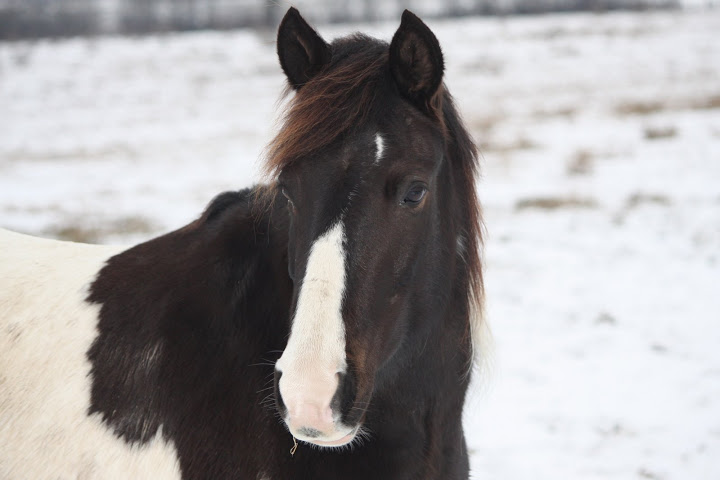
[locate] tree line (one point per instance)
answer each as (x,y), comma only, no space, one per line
(57,18)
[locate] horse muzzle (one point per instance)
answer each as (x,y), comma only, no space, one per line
(310,406)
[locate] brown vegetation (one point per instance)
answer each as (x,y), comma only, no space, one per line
(655,133)
(555,203)
(581,163)
(649,107)
(520,143)
(637,199)
(640,107)
(94,233)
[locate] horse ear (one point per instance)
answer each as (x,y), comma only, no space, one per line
(416,61)
(302,51)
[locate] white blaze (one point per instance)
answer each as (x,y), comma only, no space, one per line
(315,352)
(380,147)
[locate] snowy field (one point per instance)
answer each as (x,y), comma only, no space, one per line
(601,187)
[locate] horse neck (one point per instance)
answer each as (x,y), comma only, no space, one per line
(219,280)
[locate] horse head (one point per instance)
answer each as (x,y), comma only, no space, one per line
(361,164)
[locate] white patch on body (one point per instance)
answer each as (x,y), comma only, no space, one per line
(46,328)
(380,148)
(315,353)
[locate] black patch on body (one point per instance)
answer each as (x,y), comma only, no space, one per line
(189,323)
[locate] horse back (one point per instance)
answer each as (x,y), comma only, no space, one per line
(46,328)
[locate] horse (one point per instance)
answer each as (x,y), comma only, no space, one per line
(322,325)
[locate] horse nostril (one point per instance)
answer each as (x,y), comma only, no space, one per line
(343,401)
(279,403)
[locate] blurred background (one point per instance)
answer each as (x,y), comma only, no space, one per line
(599,126)
(32,18)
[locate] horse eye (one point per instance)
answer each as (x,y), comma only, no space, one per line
(415,195)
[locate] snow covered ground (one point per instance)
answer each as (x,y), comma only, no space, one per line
(601,145)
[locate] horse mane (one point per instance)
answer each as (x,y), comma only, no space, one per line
(343,96)
(463,154)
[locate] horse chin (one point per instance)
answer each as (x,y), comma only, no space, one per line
(330,442)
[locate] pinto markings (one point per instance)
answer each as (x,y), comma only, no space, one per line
(45,430)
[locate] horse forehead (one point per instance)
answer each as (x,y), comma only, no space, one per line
(384,146)
(339,169)
(358,163)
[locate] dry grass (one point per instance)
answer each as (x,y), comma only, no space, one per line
(555,203)
(485,65)
(709,103)
(649,107)
(645,473)
(94,233)
(637,199)
(639,107)
(560,112)
(656,133)
(520,143)
(605,318)
(482,126)
(581,163)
